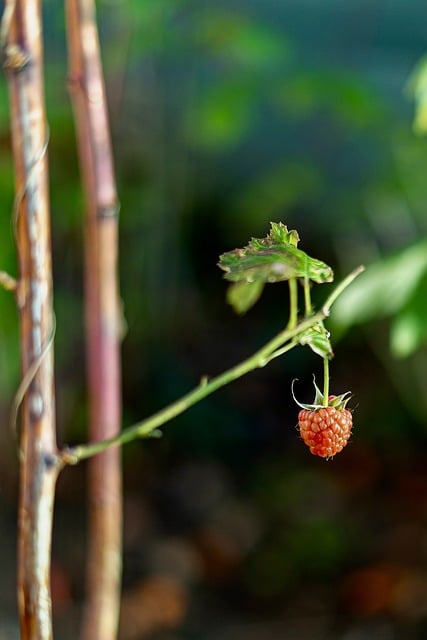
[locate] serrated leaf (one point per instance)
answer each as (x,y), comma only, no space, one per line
(243,295)
(279,234)
(317,338)
(273,259)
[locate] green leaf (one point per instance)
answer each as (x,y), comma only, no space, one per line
(406,334)
(417,88)
(317,338)
(408,330)
(273,259)
(243,295)
(279,234)
(384,288)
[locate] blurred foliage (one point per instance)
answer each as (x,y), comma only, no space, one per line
(225,116)
(394,286)
(417,87)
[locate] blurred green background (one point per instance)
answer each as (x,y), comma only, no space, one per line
(226,116)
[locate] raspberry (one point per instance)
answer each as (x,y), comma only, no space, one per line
(325,430)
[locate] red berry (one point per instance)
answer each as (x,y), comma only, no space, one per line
(325,430)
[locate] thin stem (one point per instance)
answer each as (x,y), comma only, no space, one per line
(280,352)
(340,288)
(293,303)
(145,428)
(278,345)
(325,381)
(307,297)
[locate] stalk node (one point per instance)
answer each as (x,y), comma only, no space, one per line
(16,59)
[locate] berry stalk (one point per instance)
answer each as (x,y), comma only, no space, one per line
(325,381)
(282,342)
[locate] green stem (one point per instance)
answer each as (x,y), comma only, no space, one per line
(325,381)
(307,297)
(293,303)
(146,427)
(278,345)
(280,352)
(331,299)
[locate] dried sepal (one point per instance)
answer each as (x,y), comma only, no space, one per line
(338,402)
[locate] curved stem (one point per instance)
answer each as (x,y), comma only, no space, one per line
(280,352)
(331,299)
(278,345)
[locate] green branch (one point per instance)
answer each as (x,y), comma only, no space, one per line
(278,345)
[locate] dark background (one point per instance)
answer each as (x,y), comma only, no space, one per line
(226,116)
